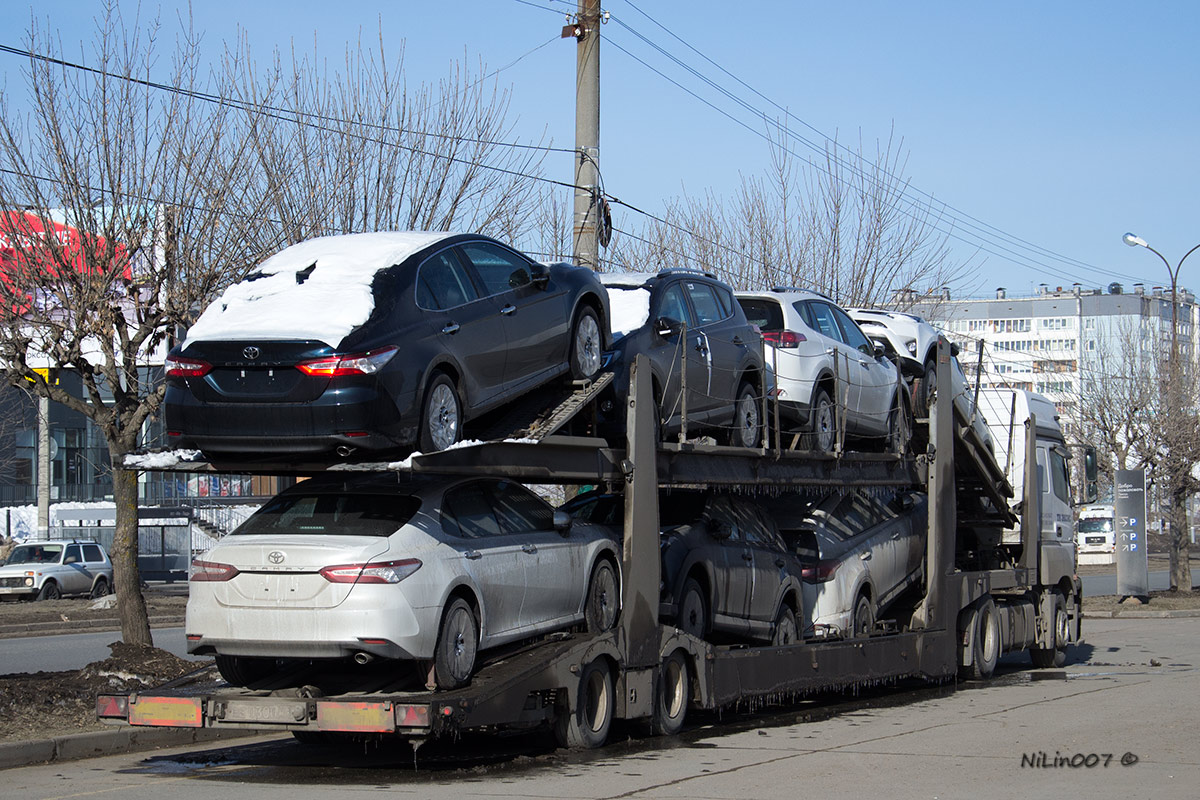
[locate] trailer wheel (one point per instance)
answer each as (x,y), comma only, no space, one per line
(457,643)
(586,727)
(244,670)
(693,610)
(985,641)
(864,618)
(672,694)
(1056,656)
(600,609)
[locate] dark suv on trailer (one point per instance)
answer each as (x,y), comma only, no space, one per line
(704,355)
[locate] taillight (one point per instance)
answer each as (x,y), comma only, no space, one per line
(383,572)
(180,367)
(355,364)
(820,572)
(212,571)
(787,340)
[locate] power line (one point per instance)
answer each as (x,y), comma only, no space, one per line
(985,236)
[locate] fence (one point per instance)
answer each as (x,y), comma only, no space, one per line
(164,536)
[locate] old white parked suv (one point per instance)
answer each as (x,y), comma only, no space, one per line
(50,570)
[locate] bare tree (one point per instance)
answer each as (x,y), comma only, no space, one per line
(845,225)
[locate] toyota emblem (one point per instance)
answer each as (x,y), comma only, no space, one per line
(252,352)
(275,557)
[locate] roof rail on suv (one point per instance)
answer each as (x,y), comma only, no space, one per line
(662,273)
(781,289)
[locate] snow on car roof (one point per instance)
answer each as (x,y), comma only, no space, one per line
(284,299)
(628,300)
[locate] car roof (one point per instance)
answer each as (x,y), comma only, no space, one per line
(785,293)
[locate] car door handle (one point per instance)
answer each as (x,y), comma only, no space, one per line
(895,536)
(508,309)
(528,548)
(451,328)
(737,340)
(472,554)
(865,556)
(747,556)
(779,562)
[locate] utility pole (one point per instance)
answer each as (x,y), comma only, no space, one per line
(586,30)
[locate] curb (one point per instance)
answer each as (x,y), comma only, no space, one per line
(125,739)
(78,626)
(1178,613)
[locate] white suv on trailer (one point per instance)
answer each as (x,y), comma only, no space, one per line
(824,365)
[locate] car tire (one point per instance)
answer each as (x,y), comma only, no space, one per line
(822,423)
(99,588)
(924,391)
(1056,656)
(587,726)
(693,610)
(245,670)
(899,427)
(603,600)
(586,344)
(747,418)
(457,646)
(785,631)
(49,591)
(672,695)
(441,415)
(864,618)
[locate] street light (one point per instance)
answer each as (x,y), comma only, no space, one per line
(1180,572)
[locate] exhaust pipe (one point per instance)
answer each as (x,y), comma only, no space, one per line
(344,450)
(363,658)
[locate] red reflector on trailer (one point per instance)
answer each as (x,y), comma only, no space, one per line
(113,707)
(412,716)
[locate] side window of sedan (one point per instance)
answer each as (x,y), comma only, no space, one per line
(500,270)
(467,512)
(443,283)
(519,511)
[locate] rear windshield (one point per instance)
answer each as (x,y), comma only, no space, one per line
(766,314)
(332,515)
(35,554)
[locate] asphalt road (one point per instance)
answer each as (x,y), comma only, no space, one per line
(74,651)
(1117,722)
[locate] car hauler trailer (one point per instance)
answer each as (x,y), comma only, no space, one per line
(985,592)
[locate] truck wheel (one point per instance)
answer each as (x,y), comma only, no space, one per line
(747,421)
(244,670)
(785,627)
(600,609)
(441,417)
(50,591)
(693,610)
(864,618)
(822,423)
(587,726)
(985,642)
(99,588)
(672,694)
(457,644)
(1056,656)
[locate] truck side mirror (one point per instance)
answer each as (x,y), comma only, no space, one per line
(1091,473)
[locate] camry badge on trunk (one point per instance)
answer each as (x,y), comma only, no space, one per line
(275,557)
(251,352)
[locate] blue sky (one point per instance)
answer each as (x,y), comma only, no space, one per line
(1060,124)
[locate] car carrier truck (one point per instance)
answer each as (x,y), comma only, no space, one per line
(994,582)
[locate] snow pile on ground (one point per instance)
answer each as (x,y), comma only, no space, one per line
(319,289)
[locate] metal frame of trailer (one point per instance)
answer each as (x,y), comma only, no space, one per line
(579,682)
